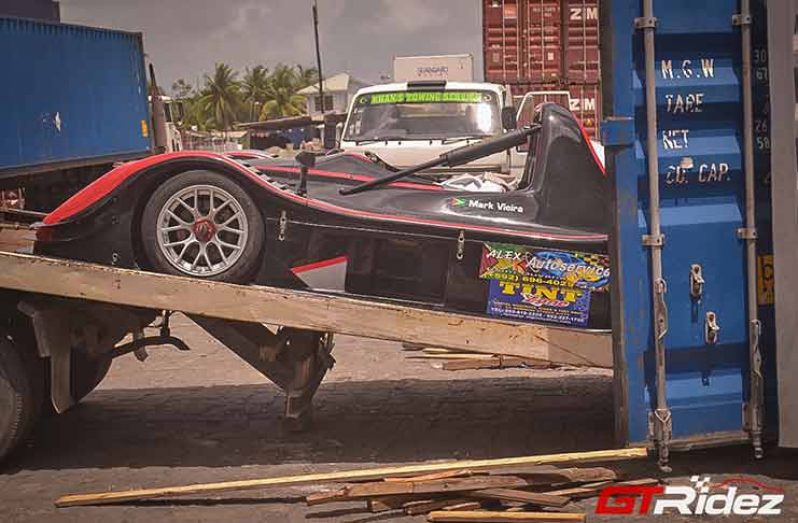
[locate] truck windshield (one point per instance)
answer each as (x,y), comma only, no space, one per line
(424,115)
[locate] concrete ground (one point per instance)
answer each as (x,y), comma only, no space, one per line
(205,416)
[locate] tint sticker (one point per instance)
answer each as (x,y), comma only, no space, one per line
(528,265)
(539,302)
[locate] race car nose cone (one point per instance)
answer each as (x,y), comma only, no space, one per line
(204,230)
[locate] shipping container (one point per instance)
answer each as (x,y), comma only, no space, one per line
(687,135)
(582,99)
(73,97)
(541,41)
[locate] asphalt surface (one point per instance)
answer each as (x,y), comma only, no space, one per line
(205,416)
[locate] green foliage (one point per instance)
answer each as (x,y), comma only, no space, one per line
(224,100)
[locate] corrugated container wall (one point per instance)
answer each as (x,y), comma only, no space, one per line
(546,45)
(72,96)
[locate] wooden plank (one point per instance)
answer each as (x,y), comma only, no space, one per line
(348,475)
(494,362)
(301,309)
(358,491)
(466,505)
(553,475)
(484,516)
(387,503)
(585,491)
(453,356)
(424,507)
(521,496)
(591,489)
(446,474)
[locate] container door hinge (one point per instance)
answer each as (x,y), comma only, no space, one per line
(460,246)
(746,233)
(661,308)
(653,240)
(757,400)
(283,226)
(741,19)
(646,22)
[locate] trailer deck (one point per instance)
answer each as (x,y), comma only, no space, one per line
(286,335)
(302,310)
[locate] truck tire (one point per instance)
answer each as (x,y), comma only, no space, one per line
(21,394)
(182,234)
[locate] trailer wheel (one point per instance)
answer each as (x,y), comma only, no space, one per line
(21,394)
(205,225)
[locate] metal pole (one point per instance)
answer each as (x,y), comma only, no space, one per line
(662,422)
(749,234)
(318,52)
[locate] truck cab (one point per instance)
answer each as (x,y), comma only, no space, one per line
(408,123)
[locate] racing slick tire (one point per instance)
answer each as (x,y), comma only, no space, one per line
(203,224)
(21,394)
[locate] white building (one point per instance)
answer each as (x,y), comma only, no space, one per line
(338,92)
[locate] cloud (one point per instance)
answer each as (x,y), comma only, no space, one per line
(248,16)
(405,16)
(184,38)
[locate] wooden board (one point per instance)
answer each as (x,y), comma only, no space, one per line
(301,309)
(521,496)
(358,491)
(348,475)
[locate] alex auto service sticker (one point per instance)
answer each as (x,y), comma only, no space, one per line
(542,285)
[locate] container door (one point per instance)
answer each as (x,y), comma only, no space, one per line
(699,97)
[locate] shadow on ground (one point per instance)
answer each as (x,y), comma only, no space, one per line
(379,421)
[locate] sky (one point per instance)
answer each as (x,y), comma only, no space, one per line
(185,38)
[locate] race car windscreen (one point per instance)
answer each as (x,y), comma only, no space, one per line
(424,115)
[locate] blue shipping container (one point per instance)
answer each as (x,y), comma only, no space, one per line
(71,96)
(698,84)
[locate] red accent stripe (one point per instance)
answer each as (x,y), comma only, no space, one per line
(100,187)
(110,181)
(590,146)
(319,264)
(352,177)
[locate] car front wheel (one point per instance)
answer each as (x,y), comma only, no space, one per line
(205,225)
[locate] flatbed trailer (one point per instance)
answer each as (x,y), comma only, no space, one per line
(69,309)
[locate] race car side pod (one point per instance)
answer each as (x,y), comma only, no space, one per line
(454,158)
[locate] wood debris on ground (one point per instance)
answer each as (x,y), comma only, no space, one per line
(501,494)
(449,359)
(390,488)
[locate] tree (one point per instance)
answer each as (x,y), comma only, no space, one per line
(281,95)
(220,98)
(307,76)
(254,87)
(182,89)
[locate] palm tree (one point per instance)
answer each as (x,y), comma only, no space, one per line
(253,89)
(281,94)
(307,76)
(182,89)
(221,96)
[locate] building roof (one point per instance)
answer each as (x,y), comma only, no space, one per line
(336,83)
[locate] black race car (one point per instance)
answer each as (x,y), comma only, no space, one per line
(350,224)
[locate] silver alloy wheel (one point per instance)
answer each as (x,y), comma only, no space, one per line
(202,230)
